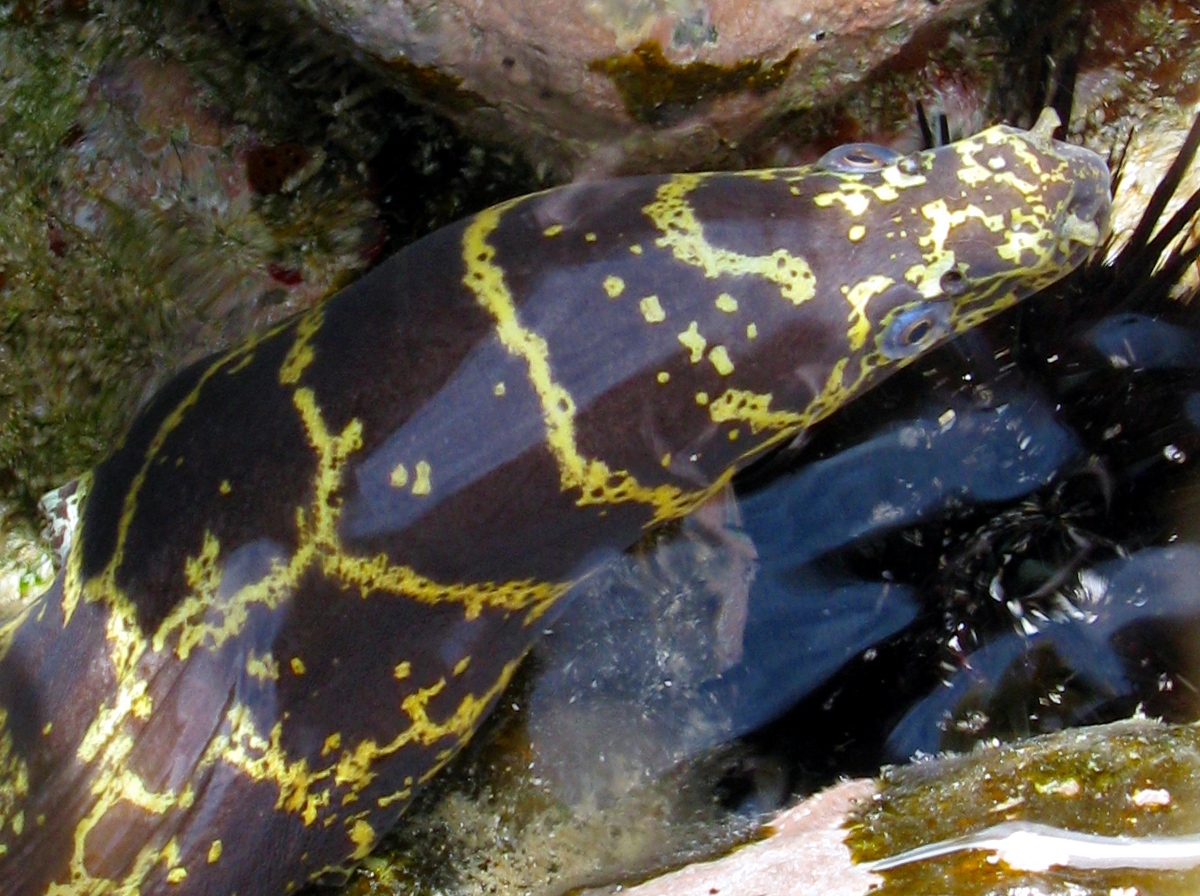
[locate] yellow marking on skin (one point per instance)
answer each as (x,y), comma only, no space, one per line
(102,588)
(595,481)
(856,195)
(362,835)
(204,571)
(101,736)
(856,202)
(938,259)
(398,797)
(225,488)
(663,377)
(727,303)
(701,398)
(614,286)
(301,354)
(894,177)
(751,331)
(421,482)
(402,671)
(176,875)
(665,460)
(264,668)
(118,784)
(398,478)
(170,852)
(652,310)
(753,409)
(693,342)
(332,742)
(590,237)
(241,365)
(14,773)
(305,790)
(214,852)
(858,296)
(1021,219)
(1020,242)
(635,249)
(461,666)
(974,173)
(263,759)
(379,574)
(856,233)
(297,665)
(553,230)
(719,356)
(498,390)
(683,235)
(200,619)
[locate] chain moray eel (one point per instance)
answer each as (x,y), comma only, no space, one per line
(314,561)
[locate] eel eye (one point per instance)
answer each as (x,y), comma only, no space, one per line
(914,329)
(858,158)
(954,283)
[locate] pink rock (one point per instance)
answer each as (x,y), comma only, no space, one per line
(804,853)
(622,84)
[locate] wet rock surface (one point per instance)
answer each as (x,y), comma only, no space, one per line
(630,85)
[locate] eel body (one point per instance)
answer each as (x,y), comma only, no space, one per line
(314,561)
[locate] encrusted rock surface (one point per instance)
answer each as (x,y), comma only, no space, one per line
(597,85)
(804,852)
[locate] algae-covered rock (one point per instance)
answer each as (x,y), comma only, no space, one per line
(1136,781)
(162,195)
(1112,809)
(150,215)
(629,85)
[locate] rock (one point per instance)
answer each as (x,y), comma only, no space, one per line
(598,85)
(804,852)
(161,197)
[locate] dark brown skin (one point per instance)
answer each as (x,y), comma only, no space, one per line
(316,560)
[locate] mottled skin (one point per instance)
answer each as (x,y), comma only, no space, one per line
(315,561)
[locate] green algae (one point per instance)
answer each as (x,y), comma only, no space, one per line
(1135,778)
(163,191)
(128,240)
(657,91)
(428,84)
(53,416)
(26,566)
